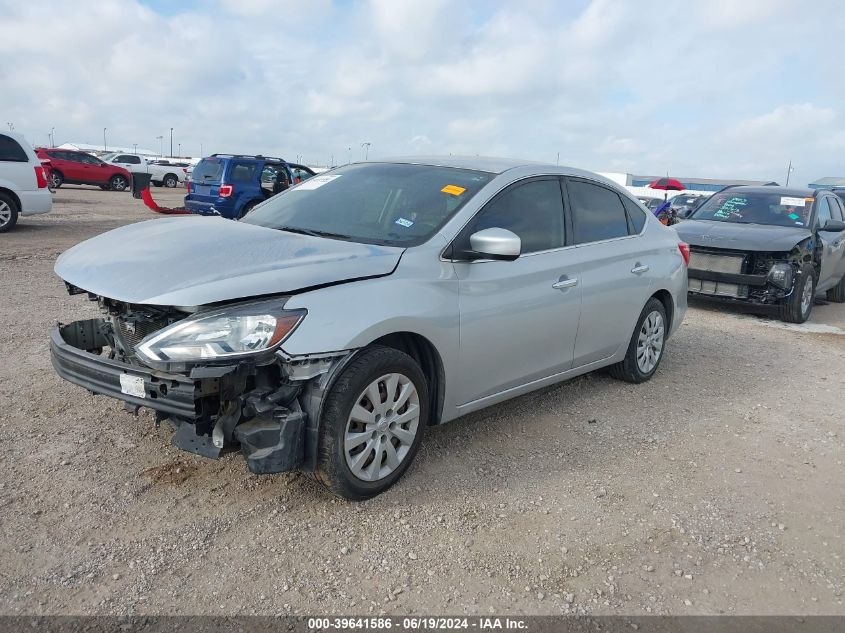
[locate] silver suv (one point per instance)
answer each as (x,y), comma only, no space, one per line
(328,328)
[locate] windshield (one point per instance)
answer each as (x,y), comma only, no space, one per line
(683,201)
(374,203)
(208,169)
(756,208)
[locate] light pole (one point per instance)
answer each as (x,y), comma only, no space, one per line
(789,170)
(557,162)
(349,157)
(105,147)
(11,126)
(135,146)
(160,139)
(366,146)
(52,138)
(171,142)
(180,149)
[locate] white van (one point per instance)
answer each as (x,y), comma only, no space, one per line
(23,181)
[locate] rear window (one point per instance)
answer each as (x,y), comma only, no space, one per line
(740,207)
(11,151)
(208,170)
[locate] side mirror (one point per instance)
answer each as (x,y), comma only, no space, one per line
(495,243)
(832,225)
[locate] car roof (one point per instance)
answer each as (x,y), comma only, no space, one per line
(799,192)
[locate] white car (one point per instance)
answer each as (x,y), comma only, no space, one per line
(161,173)
(23,181)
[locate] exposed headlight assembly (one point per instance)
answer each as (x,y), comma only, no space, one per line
(242,330)
(781,275)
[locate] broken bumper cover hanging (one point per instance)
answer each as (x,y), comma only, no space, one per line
(272,441)
(171,394)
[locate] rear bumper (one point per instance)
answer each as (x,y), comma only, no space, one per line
(199,207)
(35,202)
(172,394)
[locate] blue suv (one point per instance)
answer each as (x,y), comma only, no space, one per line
(230,185)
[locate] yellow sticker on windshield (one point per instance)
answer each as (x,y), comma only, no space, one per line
(455,190)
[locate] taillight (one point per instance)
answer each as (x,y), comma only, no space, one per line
(188,186)
(225,191)
(41,177)
(684,248)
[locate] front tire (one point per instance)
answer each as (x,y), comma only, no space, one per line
(796,308)
(118,183)
(645,350)
(8,213)
(372,423)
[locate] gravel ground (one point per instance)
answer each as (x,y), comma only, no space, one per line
(714,488)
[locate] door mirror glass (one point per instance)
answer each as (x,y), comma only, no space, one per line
(496,243)
(833,225)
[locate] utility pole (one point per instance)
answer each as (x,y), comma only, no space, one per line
(789,170)
(105,146)
(366,146)
(171,141)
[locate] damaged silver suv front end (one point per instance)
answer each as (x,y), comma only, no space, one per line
(217,375)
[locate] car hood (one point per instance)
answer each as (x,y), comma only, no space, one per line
(192,261)
(740,237)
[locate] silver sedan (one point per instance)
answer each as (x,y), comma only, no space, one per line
(334,323)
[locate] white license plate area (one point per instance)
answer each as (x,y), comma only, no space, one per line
(132,385)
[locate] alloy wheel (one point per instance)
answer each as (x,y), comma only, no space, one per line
(5,213)
(650,342)
(807,296)
(382,427)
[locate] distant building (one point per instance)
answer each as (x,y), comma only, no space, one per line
(99,149)
(638,185)
(827,182)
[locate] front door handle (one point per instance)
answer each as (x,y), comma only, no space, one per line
(569,282)
(639,268)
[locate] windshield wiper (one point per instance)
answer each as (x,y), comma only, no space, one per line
(314,232)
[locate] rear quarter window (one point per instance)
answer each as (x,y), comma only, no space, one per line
(635,214)
(208,170)
(243,172)
(11,151)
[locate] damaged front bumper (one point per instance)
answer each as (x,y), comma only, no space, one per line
(213,407)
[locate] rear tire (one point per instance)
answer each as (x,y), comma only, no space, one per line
(118,183)
(8,213)
(645,350)
(351,418)
(170,181)
(247,208)
(837,293)
(796,308)
(56,179)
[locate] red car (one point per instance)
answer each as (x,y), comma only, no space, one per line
(80,168)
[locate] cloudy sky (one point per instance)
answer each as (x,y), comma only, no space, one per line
(708,88)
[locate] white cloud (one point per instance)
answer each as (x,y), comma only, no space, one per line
(700,87)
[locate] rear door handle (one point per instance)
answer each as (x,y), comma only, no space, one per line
(639,268)
(569,282)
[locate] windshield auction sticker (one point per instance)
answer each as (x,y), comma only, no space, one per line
(455,190)
(315,182)
(787,201)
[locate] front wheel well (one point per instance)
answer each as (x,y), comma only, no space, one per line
(428,358)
